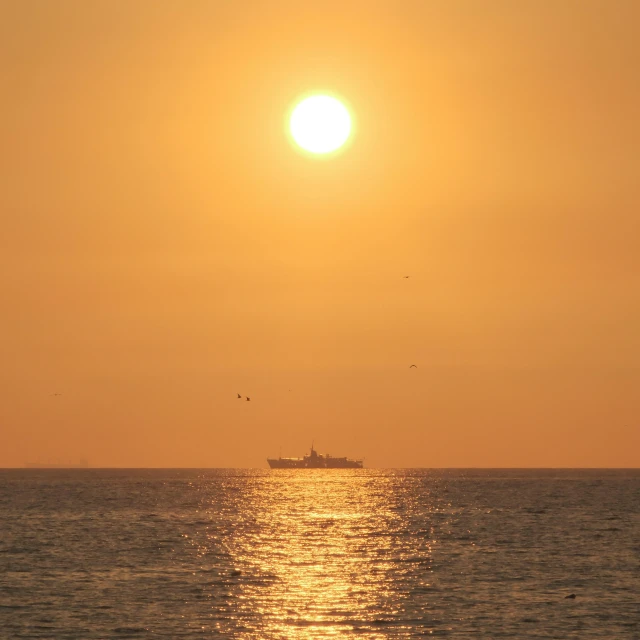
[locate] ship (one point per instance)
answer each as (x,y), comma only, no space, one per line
(314,460)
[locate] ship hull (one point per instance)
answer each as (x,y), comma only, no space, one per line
(306,463)
(285,464)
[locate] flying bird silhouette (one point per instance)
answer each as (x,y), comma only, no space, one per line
(248,399)
(239,396)
(56,394)
(406,276)
(413,365)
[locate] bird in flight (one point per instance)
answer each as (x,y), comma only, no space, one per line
(406,276)
(239,396)
(413,365)
(248,399)
(56,394)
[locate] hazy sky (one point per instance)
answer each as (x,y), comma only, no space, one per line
(162,246)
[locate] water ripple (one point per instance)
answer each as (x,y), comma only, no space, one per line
(321,554)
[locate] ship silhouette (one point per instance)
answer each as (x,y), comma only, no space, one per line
(314,460)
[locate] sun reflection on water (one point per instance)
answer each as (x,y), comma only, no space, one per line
(316,554)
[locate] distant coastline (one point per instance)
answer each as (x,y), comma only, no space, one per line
(83,464)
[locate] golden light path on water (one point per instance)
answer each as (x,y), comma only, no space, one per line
(316,554)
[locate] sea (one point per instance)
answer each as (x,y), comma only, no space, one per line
(237,553)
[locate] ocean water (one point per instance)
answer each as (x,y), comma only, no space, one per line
(319,554)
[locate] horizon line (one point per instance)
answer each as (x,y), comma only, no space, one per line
(530,468)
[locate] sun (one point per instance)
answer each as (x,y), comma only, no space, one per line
(320,124)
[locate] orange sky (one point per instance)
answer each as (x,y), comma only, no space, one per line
(163,248)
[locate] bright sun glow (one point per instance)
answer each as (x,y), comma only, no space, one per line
(320,124)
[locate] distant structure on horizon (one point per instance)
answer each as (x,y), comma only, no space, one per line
(83,464)
(314,460)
